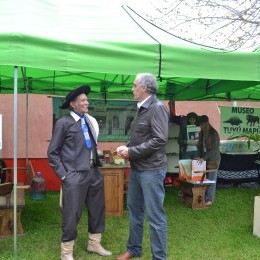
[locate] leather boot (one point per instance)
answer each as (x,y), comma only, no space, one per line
(125,256)
(67,250)
(94,245)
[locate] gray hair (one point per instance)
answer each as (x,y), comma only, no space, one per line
(148,80)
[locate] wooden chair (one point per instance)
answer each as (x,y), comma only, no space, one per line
(6,189)
(2,171)
(7,201)
(6,209)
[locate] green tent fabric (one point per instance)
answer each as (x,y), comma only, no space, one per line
(59,45)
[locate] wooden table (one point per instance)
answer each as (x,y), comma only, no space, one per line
(193,193)
(114,180)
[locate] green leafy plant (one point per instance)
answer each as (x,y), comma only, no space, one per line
(249,137)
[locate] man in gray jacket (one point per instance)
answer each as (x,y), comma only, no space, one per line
(147,154)
(72,154)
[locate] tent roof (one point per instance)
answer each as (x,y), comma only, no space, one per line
(62,44)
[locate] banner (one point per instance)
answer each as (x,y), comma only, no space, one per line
(235,120)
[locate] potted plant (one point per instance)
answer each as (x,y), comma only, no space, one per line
(249,137)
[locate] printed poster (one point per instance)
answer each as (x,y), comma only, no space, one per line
(193,132)
(235,120)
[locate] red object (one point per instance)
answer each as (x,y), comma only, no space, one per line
(172,180)
(39,165)
(171,104)
(42,165)
(107,158)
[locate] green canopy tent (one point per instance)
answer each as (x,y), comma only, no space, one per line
(61,44)
(51,46)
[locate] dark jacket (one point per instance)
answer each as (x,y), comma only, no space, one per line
(149,136)
(211,152)
(182,139)
(67,151)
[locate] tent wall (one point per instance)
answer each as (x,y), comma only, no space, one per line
(41,120)
(39,127)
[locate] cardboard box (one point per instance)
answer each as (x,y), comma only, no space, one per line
(191,169)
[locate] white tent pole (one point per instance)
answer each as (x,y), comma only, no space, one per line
(15,158)
(27,121)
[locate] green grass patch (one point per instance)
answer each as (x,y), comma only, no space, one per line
(223,231)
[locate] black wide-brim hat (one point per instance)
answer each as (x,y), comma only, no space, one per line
(73,94)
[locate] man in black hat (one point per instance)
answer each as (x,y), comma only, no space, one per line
(72,154)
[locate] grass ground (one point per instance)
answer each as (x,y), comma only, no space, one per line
(223,231)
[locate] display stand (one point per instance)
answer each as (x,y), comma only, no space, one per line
(172,152)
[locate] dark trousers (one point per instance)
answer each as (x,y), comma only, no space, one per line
(81,189)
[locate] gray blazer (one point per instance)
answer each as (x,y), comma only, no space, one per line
(149,136)
(67,150)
